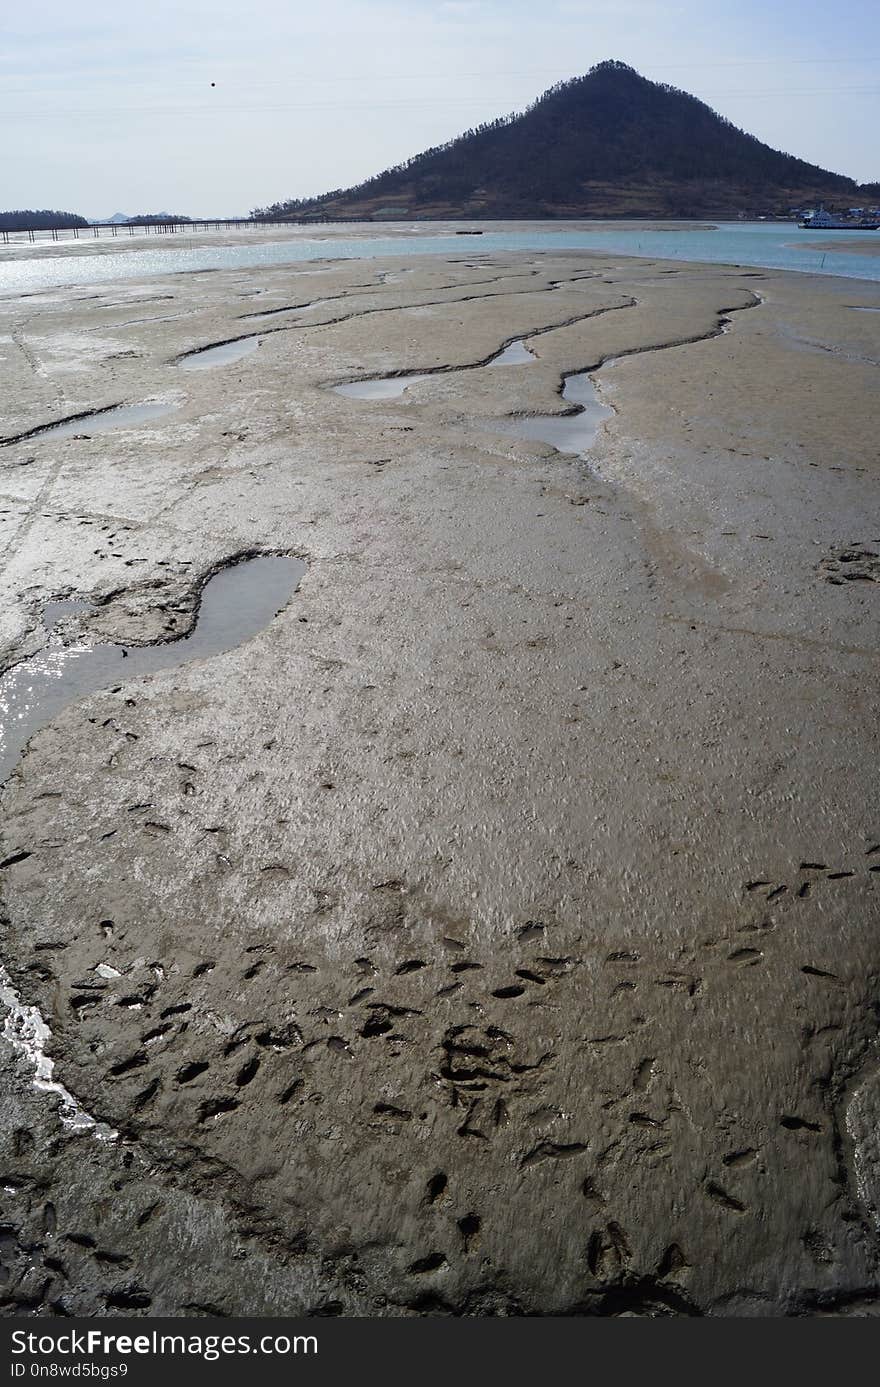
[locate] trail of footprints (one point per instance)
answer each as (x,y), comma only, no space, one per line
(491,1059)
(484,1059)
(814,875)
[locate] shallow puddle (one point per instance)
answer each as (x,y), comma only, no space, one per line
(516,354)
(117,417)
(236,604)
(386,388)
(223,355)
(568,433)
(27,1032)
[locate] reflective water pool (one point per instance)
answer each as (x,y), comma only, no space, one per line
(203,358)
(235,604)
(117,417)
(567,433)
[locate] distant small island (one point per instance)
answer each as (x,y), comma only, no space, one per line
(142,219)
(155,219)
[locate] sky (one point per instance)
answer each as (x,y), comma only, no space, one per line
(110,108)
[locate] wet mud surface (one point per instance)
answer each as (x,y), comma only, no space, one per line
(489,925)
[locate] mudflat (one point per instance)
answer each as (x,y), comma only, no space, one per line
(495,931)
(861,247)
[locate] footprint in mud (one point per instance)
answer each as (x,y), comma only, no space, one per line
(720,1196)
(813,875)
(745,958)
(853,564)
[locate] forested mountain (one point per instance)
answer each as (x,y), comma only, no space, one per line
(30,220)
(607,144)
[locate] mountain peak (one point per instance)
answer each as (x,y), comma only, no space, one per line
(608,143)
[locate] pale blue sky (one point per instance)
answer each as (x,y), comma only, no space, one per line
(109,108)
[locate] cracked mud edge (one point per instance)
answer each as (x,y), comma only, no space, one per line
(348,317)
(522,337)
(197,587)
(26,1030)
(371,288)
(723,325)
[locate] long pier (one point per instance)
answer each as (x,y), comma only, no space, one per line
(172,228)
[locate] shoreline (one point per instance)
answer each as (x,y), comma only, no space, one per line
(317,231)
(755,246)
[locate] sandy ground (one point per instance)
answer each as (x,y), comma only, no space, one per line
(496,931)
(861,247)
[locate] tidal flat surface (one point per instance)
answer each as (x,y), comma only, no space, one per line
(512,900)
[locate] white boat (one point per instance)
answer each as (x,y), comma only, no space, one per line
(820,220)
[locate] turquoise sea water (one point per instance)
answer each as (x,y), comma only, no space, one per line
(753,244)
